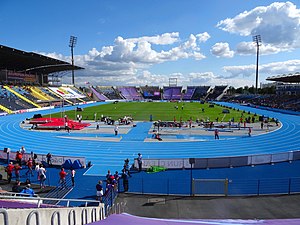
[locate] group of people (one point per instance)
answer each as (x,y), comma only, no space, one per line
(39,168)
(34,167)
(26,190)
(112,180)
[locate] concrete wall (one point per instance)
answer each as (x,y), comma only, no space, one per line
(50,216)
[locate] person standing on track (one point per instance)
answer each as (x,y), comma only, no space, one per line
(216,134)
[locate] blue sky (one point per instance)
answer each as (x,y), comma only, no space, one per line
(147,42)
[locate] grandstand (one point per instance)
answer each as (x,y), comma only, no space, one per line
(216,93)
(106,92)
(200,92)
(172,93)
(286,98)
(130,93)
(151,92)
(25,83)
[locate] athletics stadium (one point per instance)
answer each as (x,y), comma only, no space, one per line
(208,156)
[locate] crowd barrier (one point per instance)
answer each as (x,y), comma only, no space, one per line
(56,159)
(220,162)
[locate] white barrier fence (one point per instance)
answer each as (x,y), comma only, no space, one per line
(221,162)
(55,159)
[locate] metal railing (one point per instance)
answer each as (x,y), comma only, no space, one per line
(39,200)
(108,199)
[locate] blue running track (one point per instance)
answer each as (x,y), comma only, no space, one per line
(111,155)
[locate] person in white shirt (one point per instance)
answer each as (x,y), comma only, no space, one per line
(42,175)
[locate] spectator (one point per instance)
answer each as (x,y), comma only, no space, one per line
(116,176)
(27,181)
(125,180)
(140,162)
(17,187)
(9,170)
(19,157)
(73,176)
(42,176)
(29,165)
(108,175)
(62,178)
(49,157)
(23,150)
(126,167)
(109,186)
(34,157)
(28,191)
(37,167)
(17,171)
(99,189)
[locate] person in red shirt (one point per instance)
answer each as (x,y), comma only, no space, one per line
(17,171)
(62,178)
(9,170)
(19,157)
(30,165)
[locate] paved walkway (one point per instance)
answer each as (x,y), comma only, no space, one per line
(263,207)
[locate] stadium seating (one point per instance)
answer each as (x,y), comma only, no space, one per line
(190,90)
(172,93)
(200,92)
(99,96)
(130,93)
(151,92)
(108,91)
(217,93)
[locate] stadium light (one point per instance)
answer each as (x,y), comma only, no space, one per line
(257,41)
(72,44)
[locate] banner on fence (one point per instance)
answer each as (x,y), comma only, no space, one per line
(167,163)
(56,160)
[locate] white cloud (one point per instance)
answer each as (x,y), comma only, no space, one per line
(127,56)
(278,24)
(139,52)
(125,60)
(164,39)
(203,37)
(222,50)
(269,69)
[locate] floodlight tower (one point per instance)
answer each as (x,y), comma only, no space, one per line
(72,44)
(257,41)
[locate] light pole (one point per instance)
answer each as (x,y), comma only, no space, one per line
(72,44)
(257,41)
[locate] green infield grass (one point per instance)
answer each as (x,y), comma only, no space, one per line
(165,111)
